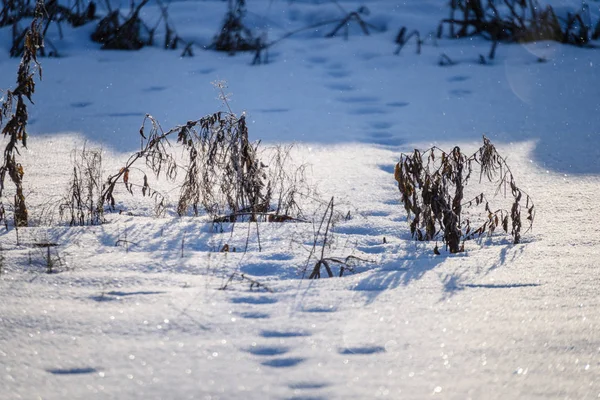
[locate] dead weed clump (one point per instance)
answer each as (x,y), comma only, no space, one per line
(81,204)
(223,175)
(432,185)
(13,12)
(234,36)
(16,114)
(517,21)
(116,32)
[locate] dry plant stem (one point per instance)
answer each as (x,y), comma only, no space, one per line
(81,204)
(15,127)
(1,260)
(432,185)
(402,39)
(327,228)
(224,176)
(253,283)
(123,36)
(325,261)
(521,21)
(316,236)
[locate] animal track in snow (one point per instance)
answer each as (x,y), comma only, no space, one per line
(72,371)
(460,92)
(283,334)
(267,351)
(283,362)
(254,315)
(458,78)
(81,104)
(397,104)
(362,350)
(254,300)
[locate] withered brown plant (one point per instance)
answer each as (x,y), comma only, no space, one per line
(14,110)
(516,21)
(432,186)
(223,175)
(117,32)
(234,35)
(81,205)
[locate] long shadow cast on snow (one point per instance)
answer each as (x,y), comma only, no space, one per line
(454,283)
(400,272)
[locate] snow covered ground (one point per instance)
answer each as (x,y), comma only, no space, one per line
(147,320)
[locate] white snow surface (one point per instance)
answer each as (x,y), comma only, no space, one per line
(499,321)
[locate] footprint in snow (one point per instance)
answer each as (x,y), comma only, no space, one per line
(254,300)
(397,104)
(81,104)
(308,385)
(460,92)
(458,78)
(381,125)
(376,213)
(118,295)
(267,351)
(154,89)
(278,256)
(283,362)
(72,371)
(124,114)
(254,315)
(283,334)
(319,309)
(203,71)
(362,350)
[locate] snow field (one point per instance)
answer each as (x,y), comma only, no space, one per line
(148,320)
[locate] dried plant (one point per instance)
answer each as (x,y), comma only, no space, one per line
(286,185)
(1,260)
(14,11)
(402,38)
(16,114)
(432,186)
(515,21)
(234,35)
(356,16)
(172,39)
(124,33)
(323,234)
(81,205)
(79,13)
(254,284)
(223,175)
